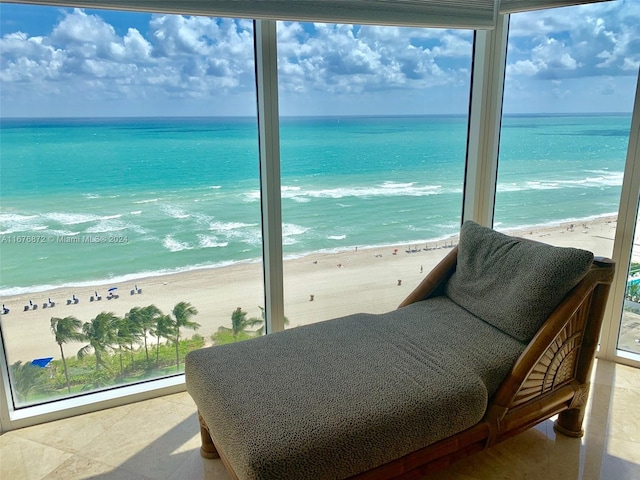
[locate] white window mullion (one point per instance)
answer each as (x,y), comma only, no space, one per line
(485,115)
(623,241)
(269,140)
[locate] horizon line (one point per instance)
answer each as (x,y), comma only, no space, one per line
(377,115)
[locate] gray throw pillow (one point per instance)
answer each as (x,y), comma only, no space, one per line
(512,283)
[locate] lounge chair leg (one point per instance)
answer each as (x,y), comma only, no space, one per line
(208,449)
(569,423)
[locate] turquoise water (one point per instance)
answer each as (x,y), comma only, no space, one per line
(85,200)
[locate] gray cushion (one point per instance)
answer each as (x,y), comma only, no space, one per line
(513,284)
(336,398)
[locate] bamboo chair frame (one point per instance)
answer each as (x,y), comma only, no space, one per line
(551,377)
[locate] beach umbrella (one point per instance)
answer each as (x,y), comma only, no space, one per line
(41,362)
(112,289)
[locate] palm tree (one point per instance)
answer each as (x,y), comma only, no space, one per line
(125,335)
(182,312)
(65,330)
(101,334)
(261,320)
(145,318)
(163,328)
(133,323)
(27,379)
(240,322)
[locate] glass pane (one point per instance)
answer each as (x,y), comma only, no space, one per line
(629,337)
(565,129)
(373,140)
(569,90)
(129,231)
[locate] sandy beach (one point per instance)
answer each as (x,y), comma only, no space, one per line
(317,287)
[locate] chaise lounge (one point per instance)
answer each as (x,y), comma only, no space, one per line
(500,336)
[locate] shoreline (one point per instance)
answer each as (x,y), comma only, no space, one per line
(318,286)
(10,292)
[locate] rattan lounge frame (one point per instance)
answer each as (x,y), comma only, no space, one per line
(551,377)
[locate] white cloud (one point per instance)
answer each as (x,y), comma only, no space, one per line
(84,57)
(580,41)
(78,28)
(196,61)
(348,59)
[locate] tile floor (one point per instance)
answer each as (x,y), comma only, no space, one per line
(159,439)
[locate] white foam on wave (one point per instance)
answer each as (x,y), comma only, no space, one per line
(289,229)
(77,218)
(16,223)
(226,226)
(150,200)
(70,218)
(337,237)
(249,233)
(251,236)
(106,226)
(386,189)
(175,212)
(63,233)
(137,212)
(601,178)
(397,185)
(207,241)
(120,279)
(252,196)
(15,217)
(174,245)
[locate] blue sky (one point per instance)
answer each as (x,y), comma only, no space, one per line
(66,62)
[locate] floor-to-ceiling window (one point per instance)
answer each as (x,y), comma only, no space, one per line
(373,137)
(128,233)
(373,123)
(629,335)
(569,91)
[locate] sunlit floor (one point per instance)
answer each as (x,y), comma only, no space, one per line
(160,439)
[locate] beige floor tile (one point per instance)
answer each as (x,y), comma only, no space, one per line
(25,459)
(75,433)
(627,377)
(624,422)
(195,467)
(598,410)
(153,439)
(512,459)
(159,439)
(182,398)
(81,468)
(621,460)
(609,373)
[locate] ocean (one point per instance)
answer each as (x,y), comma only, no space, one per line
(87,201)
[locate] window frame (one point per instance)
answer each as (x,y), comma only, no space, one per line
(487,88)
(623,246)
